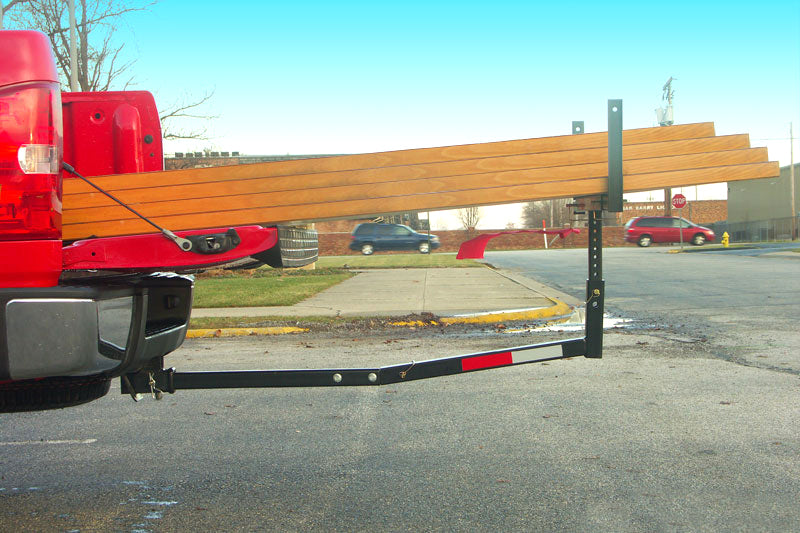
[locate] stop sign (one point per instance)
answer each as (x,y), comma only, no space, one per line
(679,201)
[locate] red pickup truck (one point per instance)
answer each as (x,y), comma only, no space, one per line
(73,315)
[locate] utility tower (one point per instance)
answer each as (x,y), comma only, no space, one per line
(665,118)
(665,115)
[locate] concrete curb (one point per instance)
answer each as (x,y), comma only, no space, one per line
(241,332)
(558,311)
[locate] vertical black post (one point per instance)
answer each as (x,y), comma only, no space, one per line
(614,156)
(595,287)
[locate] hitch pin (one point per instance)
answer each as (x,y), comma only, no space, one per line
(404,373)
(156,392)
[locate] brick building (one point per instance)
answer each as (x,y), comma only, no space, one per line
(698,211)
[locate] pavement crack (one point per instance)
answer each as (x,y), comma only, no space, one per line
(711,350)
(737,360)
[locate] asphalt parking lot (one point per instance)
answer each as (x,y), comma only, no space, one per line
(659,435)
(689,422)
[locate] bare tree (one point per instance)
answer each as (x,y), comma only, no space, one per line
(533,213)
(469,217)
(554,212)
(101,65)
(4,8)
(183,110)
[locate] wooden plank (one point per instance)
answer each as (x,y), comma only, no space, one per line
(423,179)
(73,201)
(427,201)
(487,180)
(389,159)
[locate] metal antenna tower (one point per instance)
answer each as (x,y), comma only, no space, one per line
(665,117)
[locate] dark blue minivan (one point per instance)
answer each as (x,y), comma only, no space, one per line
(370,237)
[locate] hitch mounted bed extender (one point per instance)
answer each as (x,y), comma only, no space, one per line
(156,379)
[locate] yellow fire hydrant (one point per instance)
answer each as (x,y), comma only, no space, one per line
(725,239)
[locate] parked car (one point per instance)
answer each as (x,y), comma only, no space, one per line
(370,237)
(647,230)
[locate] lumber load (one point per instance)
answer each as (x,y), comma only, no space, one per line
(449,177)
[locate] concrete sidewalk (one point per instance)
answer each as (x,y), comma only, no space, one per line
(445,292)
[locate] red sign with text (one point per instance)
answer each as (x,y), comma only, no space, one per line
(679,201)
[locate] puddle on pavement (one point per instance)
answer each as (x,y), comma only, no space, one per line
(575,322)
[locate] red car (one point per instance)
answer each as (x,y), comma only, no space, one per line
(647,230)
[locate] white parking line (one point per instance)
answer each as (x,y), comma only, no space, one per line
(31,442)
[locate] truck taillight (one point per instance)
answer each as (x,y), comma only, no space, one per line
(38,159)
(30,161)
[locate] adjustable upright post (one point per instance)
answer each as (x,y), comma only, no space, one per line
(595,287)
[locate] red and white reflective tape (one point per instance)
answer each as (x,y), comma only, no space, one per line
(494,360)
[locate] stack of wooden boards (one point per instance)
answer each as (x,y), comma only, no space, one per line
(353,186)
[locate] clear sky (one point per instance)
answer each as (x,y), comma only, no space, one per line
(299,77)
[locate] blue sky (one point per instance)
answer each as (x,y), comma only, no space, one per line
(344,77)
(300,77)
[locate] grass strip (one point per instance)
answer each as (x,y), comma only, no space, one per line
(379,260)
(263,287)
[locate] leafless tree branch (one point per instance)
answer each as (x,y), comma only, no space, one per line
(96,18)
(185,109)
(4,9)
(469,217)
(555,213)
(101,62)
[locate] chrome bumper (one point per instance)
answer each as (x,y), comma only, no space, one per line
(92,327)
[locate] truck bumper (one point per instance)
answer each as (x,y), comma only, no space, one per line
(91,327)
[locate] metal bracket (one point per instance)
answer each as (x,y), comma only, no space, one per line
(214,243)
(615,186)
